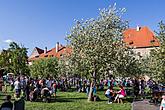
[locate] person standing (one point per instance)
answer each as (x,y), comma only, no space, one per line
(87,87)
(1,83)
(49,83)
(12,84)
(27,90)
(143,88)
(136,88)
(162,106)
(19,104)
(17,87)
(23,84)
(55,88)
(7,105)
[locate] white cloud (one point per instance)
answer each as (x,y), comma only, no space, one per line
(8,41)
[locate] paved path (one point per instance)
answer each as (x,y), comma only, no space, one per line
(144,105)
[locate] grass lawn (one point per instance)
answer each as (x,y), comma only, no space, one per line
(75,101)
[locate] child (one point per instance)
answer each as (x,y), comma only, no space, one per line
(162,106)
(110,94)
(120,94)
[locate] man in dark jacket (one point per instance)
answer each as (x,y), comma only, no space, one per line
(7,105)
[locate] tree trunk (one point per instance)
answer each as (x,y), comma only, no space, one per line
(90,95)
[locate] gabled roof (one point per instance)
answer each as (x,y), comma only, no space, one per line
(39,50)
(36,52)
(140,38)
(52,53)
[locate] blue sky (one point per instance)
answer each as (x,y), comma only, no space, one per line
(44,22)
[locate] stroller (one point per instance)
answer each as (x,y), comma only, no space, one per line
(45,95)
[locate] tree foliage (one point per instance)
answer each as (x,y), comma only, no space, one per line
(98,48)
(156,60)
(14,59)
(44,67)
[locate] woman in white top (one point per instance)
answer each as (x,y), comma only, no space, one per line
(109,93)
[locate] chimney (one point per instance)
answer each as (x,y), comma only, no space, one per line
(45,51)
(137,28)
(57,46)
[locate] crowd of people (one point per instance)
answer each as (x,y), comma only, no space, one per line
(140,89)
(34,89)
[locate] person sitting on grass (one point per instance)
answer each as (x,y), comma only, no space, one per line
(7,105)
(120,94)
(109,93)
(34,95)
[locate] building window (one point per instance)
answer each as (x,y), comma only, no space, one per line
(152,41)
(50,55)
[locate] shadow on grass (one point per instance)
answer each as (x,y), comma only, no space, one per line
(53,100)
(77,98)
(73,99)
(61,100)
(71,90)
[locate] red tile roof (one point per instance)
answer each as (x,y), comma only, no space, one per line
(52,53)
(140,39)
(39,50)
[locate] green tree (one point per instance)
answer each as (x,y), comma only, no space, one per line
(98,47)
(156,60)
(14,59)
(4,59)
(45,67)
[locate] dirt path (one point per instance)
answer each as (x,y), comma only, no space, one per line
(144,105)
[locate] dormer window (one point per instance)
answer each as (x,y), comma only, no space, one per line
(152,41)
(131,43)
